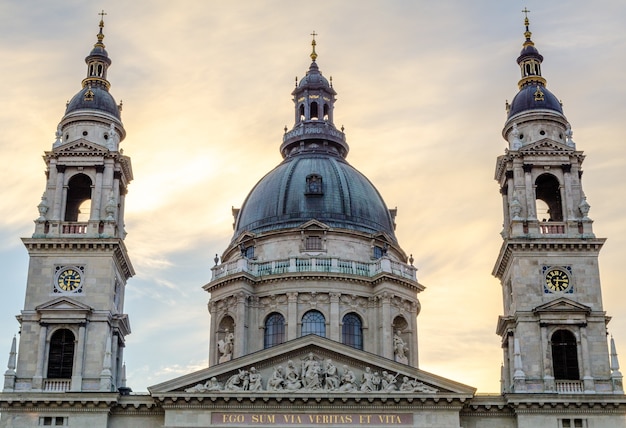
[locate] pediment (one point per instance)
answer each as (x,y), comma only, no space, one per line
(314,225)
(546,145)
(309,365)
(63,310)
(63,304)
(245,237)
(80,146)
(563,304)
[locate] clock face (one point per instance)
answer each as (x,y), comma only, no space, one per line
(69,279)
(557,280)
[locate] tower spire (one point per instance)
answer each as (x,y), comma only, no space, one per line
(313,44)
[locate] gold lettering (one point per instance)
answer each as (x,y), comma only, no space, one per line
(349,419)
(364,419)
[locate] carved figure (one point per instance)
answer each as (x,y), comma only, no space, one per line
(237,382)
(210,385)
(348,380)
(388,382)
(376,381)
(226,347)
(366,380)
(276,382)
(400,349)
(311,373)
(292,377)
(255,379)
(331,376)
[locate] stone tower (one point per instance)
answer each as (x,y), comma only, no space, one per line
(73,325)
(314,250)
(554,329)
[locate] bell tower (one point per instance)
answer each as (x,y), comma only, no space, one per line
(73,325)
(554,328)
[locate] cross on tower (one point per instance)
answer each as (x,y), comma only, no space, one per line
(314,34)
(526,11)
(102,15)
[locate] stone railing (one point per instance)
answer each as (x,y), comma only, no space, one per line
(552,228)
(74,228)
(56,385)
(569,386)
(314,264)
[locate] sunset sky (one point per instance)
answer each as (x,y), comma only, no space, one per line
(206,92)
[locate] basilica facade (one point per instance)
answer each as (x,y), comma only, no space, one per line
(314,303)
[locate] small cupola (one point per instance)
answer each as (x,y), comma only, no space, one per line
(98,61)
(314,101)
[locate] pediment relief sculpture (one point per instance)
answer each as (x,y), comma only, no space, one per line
(313,373)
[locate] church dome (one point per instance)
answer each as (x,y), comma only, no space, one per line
(314,186)
(93,98)
(534,97)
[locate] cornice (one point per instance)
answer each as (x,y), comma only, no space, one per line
(530,245)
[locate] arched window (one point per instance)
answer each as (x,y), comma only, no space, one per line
(314,111)
(313,322)
(301,112)
(548,191)
(79,191)
(61,354)
(274,330)
(352,331)
(326,110)
(564,355)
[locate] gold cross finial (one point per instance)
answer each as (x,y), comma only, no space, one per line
(313,54)
(100,34)
(526,11)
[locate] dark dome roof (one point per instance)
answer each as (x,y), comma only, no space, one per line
(102,100)
(347,199)
(525,100)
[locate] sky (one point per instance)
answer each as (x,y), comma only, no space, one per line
(206,90)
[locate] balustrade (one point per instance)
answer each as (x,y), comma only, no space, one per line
(314,264)
(56,385)
(569,386)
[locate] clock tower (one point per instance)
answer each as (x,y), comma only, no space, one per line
(553,328)
(73,323)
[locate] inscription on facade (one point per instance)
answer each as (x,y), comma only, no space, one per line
(348,419)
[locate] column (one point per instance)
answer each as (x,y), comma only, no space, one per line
(213,339)
(77,369)
(546,351)
(96,195)
(386,339)
(530,193)
(241,344)
(292,315)
(41,354)
(588,382)
(335,330)
(566,193)
(58,193)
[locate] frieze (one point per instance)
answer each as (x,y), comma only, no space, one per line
(313,373)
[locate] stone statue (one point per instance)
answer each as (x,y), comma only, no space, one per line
(210,385)
(516,144)
(292,377)
(225,347)
(568,136)
(388,382)
(311,371)
(276,382)
(43,207)
(110,207)
(348,380)
(367,384)
(237,382)
(331,376)
(400,349)
(256,381)
(415,386)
